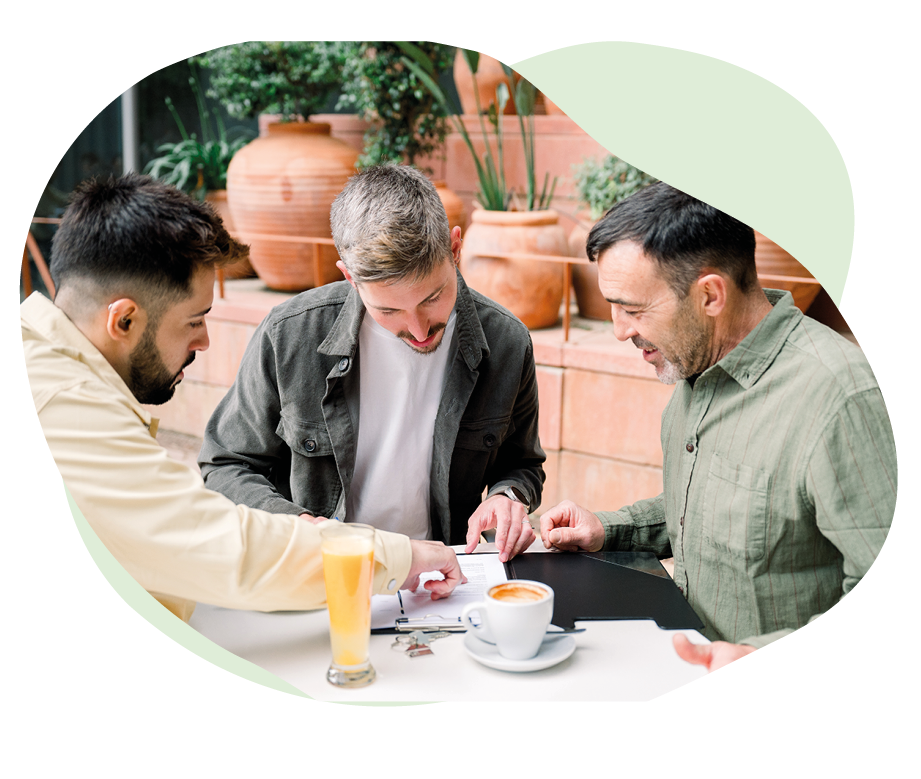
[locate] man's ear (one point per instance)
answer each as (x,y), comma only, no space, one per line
(712,289)
(345,272)
(125,321)
(456,242)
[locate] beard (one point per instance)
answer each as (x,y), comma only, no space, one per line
(149,379)
(688,350)
(406,336)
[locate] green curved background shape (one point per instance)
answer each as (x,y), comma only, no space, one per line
(715,131)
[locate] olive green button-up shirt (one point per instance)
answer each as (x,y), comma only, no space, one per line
(779,480)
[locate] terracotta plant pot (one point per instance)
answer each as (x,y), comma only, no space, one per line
(489,75)
(242,269)
(591,302)
(284,184)
(772,260)
(532,290)
(454,206)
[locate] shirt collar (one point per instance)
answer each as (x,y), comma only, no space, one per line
(55,326)
(342,338)
(748,361)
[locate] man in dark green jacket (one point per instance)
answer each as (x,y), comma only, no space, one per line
(394,398)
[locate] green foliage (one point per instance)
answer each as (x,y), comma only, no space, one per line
(493,194)
(291,78)
(406,120)
(601,184)
(197,165)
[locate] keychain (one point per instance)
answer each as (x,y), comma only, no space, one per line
(417,642)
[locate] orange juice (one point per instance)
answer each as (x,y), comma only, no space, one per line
(348,568)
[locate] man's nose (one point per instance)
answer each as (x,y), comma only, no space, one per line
(202,341)
(418,326)
(623,326)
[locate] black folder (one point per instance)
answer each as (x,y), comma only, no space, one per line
(607,585)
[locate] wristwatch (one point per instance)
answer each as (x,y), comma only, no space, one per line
(513,493)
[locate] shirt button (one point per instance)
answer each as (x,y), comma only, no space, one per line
(681,521)
(489,440)
(690,447)
(344,364)
(391,584)
(310,445)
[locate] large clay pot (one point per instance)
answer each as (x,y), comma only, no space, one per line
(591,302)
(454,206)
(241,269)
(284,184)
(489,75)
(772,260)
(531,289)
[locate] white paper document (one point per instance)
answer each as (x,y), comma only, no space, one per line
(482,571)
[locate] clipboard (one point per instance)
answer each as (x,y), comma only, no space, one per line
(607,585)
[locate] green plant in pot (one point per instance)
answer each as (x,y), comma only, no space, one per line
(599,184)
(508,221)
(197,164)
(281,185)
(405,121)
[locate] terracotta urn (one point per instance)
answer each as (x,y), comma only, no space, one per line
(772,260)
(283,184)
(218,198)
(454,206)
(591,302)
(489,75)
(531,289)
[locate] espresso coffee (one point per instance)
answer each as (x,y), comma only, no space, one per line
(516,592)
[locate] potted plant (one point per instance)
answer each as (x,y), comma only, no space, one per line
(406,123)
(283,184)
(198,166)
(600,184)
(505,221)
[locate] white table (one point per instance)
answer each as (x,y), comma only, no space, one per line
(615,660)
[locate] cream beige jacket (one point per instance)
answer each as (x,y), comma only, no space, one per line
(182,542)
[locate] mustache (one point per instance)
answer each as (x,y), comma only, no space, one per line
(642,343)
(432,330)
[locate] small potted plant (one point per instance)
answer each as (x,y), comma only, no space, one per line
(506,221)
(405,122)
(198,164)
(283,183)
(600,184)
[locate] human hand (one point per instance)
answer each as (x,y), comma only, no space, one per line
(312,518)
(514,533)
(434,556)
(712,656)
(571,528)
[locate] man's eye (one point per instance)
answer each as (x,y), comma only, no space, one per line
(198,323)
(434,299)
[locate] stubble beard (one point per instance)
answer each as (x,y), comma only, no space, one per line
(689,350)
(406,337)
(149,379)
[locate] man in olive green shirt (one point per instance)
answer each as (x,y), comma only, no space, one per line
(779,461)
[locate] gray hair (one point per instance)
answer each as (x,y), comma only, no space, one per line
(389,224)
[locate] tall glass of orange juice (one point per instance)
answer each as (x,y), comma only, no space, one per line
(348,568)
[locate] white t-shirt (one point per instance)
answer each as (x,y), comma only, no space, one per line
(400,391)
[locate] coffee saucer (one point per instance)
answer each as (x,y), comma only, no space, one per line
(553,650)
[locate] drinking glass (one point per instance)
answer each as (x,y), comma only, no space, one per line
(348,569)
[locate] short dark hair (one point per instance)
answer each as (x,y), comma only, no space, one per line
(136,235)
(682,234)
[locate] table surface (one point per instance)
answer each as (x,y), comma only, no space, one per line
(614,660)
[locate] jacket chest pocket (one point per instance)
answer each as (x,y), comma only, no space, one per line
(483,436)
(314,476)
(735,508)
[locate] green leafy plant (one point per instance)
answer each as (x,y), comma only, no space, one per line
(291,78)
(602,183)
(405,119)
(493,193)
(197,165)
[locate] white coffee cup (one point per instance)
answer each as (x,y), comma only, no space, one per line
(515,617)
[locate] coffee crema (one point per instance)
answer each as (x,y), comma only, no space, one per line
(515,592)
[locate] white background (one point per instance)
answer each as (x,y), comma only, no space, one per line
(91,687)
